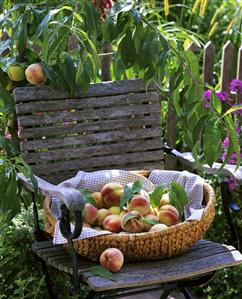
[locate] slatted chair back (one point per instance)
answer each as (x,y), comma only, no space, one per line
(114,125)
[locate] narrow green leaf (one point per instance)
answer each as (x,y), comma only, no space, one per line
(128,217)
(149,221)
(211,142)
(233,109)
(103,272)
(178,197)
(155,195)
(136,186)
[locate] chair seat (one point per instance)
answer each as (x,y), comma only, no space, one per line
(204,257)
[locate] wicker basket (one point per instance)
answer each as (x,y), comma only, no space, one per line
(145,246)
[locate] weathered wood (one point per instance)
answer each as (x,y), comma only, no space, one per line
(99,162)
(93,150)
(84,103)
(203,257)
(171,122)
(226,69)
(193,47)
(26,94)
(112,136)
(92,127)
(106,61)
(56,178)
(85,114)
(208,63)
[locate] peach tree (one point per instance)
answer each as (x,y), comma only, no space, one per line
(66,38)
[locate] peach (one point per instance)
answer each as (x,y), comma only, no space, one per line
(115,210)
(112,223)
(123,213)
(101,215)
(16,73)
(159,226)
(89,213)
(111,194)
(112,259)
(140,204)
(149,217)
(165,200)
(34,74)
(98,199)
(131,222)
(168,215)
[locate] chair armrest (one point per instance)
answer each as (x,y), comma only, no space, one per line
(188,159)
(71,197)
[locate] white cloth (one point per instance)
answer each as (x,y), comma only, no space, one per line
(94,181)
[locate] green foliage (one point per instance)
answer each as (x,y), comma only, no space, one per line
(103,272)
(129,191)
(155,196)
(20,272)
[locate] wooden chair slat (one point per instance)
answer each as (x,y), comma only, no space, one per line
(27,94)
(109,161)
(83,103)
(87,114)
(92,151)
(112,136)
(196,261)
(90,127)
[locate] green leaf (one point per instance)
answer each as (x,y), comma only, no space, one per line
(233,109)
(178,197)
(103,272)
(149,221)
(127,49)
(216,103)
(136,186)
(87,196)
(211,142)
(129,191)
(128,217)
(127,195)
(155,196)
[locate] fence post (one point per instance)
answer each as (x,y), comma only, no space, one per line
(208,63)
(227,62)
(106,61)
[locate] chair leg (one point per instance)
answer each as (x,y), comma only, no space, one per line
(48,280)
(186,293)
(166,293)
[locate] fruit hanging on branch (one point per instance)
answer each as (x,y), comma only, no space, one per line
(35,74)
(16,73)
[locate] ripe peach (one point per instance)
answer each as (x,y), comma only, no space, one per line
(89,213)
(112,223)
(164,199)
(140,204)
(131,222)
(111,194)
(101,215)
(168,215)
(149,217)
(112,259)
(34,74)
(98,199)
(115,210)
(159,226)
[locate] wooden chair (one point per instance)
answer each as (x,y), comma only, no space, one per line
(114,125)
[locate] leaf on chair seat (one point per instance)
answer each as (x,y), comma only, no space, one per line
(103,272)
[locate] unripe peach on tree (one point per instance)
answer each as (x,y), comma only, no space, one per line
(16,73)
(35,74)
(112,259)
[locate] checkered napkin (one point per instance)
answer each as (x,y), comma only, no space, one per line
(94,181)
